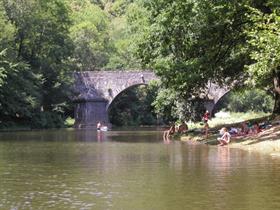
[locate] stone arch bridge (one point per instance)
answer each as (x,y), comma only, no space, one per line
(96,90)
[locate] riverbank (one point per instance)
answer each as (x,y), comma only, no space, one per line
(265,142)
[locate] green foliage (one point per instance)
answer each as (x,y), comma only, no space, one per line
(42,41)
(133,107)
(228,118)
(264,41)
(6,36)
(125,31)
(69,122)
(122,55)
(190,43)
(170,107)
(164,105)
(19,92)
(46,120)
(90,34)
(35,59)
(253,100)
(7,30)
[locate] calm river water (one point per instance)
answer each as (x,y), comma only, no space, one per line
(130,170)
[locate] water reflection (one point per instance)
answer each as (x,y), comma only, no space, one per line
(85,169)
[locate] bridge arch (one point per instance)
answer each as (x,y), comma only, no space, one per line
(96,90)
(219,100)
(121,92)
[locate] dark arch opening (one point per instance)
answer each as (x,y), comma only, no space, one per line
(120,93)
(219,105)
(132,107)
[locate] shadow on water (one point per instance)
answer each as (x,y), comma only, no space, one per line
(129,134)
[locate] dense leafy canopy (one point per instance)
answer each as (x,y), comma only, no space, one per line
(264,40)
(36,58)
(90,35)
(188,43)
(133,107)
(249,100)
(193,42)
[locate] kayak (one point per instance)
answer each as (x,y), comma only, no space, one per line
(104,128)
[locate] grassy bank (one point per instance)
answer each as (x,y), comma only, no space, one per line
(69,122)
(266,142)
(230,118)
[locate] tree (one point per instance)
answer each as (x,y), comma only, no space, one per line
(265,50)
(133,107)
(19,94)
(191,43)
(122,35)
(6,36)
(247,100)
(90,34)
(19,91)
(7,30)
(37,60)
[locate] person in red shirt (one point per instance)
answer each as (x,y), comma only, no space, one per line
(206,116)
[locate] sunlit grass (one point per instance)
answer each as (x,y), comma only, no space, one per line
(69,122)
(225,118)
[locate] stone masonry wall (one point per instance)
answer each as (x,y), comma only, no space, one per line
(95,90)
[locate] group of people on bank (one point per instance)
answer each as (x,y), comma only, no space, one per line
(180,129)
(183,127)
(247,128)
(244,129)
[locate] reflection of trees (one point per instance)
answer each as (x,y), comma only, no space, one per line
(48,168)
(90,135)
(228,180)
(128,175)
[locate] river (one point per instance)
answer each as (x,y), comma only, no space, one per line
(131,170)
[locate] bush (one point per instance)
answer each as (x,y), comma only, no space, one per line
(45,120)
(246,101)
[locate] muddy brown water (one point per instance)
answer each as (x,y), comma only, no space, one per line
(131,169)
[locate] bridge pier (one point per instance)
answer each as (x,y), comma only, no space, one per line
(95,90)
(89,113)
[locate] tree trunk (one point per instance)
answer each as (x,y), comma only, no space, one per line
(21,37)
(276,109)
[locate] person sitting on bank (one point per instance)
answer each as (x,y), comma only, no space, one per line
(169,132)
(183,127)
(225,139)
(234,131)
(256,128)
(244,128)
